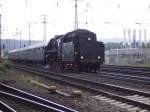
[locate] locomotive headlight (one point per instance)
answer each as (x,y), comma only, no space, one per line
(89,38)
(81,57)
(98,57)
(76,52)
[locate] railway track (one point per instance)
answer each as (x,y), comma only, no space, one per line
(115,92)
(5,107)
(30,99)
(115,73)
(135,71)
(129,67)
(126,77)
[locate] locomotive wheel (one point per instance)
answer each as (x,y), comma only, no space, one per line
(90,69)
(80,68)
(94,70)
(61,66)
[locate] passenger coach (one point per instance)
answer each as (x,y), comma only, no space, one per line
(34,53)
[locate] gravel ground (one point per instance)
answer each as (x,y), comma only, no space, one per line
(85,103)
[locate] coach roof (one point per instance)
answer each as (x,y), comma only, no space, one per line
(41,44)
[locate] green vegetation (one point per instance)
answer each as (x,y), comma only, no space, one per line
(141,65)
(148,45)
(2,68)
(5,65)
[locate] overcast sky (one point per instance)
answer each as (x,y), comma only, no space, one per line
(107,18)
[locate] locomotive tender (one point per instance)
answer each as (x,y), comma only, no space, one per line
(77,50)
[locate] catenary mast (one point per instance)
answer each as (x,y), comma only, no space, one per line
(0,34)
(76,16)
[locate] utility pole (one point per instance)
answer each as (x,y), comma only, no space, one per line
(76,16)
(0,35)
(145,36)
(129,36)
(18,32)
(29,31)
(124,35)
(140,40)
(29,25)
(20,38)
(44,28)
(14,40)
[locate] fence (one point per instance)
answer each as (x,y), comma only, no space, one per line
(127,56)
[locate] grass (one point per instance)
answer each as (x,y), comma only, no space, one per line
(141,65)
(5,65)
(2,68)
(31,82)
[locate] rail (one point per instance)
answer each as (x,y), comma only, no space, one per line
(11,92)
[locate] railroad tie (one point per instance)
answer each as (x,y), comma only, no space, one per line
(63,93)
(129,108)
(143,111)
(76,93)
(135,109)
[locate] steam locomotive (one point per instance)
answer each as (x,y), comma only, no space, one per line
(76,50)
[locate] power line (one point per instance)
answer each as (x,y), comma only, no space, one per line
(107,3)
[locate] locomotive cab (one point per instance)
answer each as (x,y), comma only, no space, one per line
(91,52)
(81,50)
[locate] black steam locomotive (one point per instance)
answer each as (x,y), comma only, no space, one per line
(77,50)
